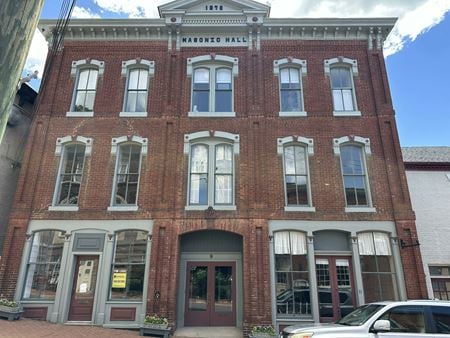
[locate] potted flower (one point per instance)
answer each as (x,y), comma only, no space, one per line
(10,309)
(156,322)
(261,331)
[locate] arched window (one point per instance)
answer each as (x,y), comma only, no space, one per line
(73,152)
(341,71)
(128,266)
(128,167)
(138,73)
(290,72)
(212,85)
(352,151)
(291,274)
(87,72)
(43,266)
(377,267)
(211,170)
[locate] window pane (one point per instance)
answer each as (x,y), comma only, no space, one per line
(223,100)
(368,263)
(289,160)
(340,77)
(131,247)
(224,159)
(300,160)
(200,101)
(131,101)
(141,104)
(223,76)
(441,318)
(127,175)
(199,189)
(302,190)
(291,190)
(388,286)
(224,189)
(134,282)
(92,82)
(352,163)
(350,192)
(284,75)
(199,158)
(201,75)
(133,79)
(43,265)
(338,100)
(372,291)
(89,103)
(347,97)
(79,101)
(406,319)
(83,79)
(143,79)
(294,75)
(290,100)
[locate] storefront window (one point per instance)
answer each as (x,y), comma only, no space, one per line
(43,265)
(128,268)
(377,267)
(291,274)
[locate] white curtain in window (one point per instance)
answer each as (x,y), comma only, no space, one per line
(32,267)
(365,244)
(290,243)
(382,245)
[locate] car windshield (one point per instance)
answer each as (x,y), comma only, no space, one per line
(360,315)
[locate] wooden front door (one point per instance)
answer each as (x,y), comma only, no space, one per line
(83,290)
(210,294)
(334,287)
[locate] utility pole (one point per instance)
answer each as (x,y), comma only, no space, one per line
(19,19)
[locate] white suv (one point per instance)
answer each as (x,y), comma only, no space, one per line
(415,318)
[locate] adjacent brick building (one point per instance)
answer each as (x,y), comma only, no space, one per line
(215,166)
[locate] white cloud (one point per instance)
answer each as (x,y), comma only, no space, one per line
(37,54)
(83,13)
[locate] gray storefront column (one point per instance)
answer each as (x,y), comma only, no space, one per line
(314,298)
(359,289)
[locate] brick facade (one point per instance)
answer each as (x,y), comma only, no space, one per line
(259,190)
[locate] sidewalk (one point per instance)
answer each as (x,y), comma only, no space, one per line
(37,329)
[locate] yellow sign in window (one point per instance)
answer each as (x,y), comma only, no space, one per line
(119,280)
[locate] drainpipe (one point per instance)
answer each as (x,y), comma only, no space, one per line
(17,27)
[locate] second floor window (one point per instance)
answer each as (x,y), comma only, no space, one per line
(290,90)
(354,175)
(296,175)
(211,174)
(70,174)
(212,89)
(85,90)
(127,174)
(136,94)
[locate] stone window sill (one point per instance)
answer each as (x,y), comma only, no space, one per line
(300,209)
(64,208)
(211,114)
(347,113)
(360,209)
(205,207)
(80,114)
(293,114)
(123,208)
(133,114)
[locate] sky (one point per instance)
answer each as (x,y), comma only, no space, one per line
(417,51)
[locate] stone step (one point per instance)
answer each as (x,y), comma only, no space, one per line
(208,332)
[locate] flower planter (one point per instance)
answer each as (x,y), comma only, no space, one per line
(156,326)
(10,313)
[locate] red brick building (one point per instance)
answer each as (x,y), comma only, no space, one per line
(215,166)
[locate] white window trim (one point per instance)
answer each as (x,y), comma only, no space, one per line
(352,64)
(213,61)
(301,65)
(75,70)
(126,67)
(208,136)
(115,143)
(308,143)
(365,146)
(60,143)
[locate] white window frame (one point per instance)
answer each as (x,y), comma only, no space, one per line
(364,144)
(127,67)
(77,67)
(308,144)
(212,62)
(352,66)
(211,138)
(115,149)
(301,67)
(61,143)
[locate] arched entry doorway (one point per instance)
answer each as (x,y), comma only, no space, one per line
(210,284)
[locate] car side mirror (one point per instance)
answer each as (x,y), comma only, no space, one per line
(382,326)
